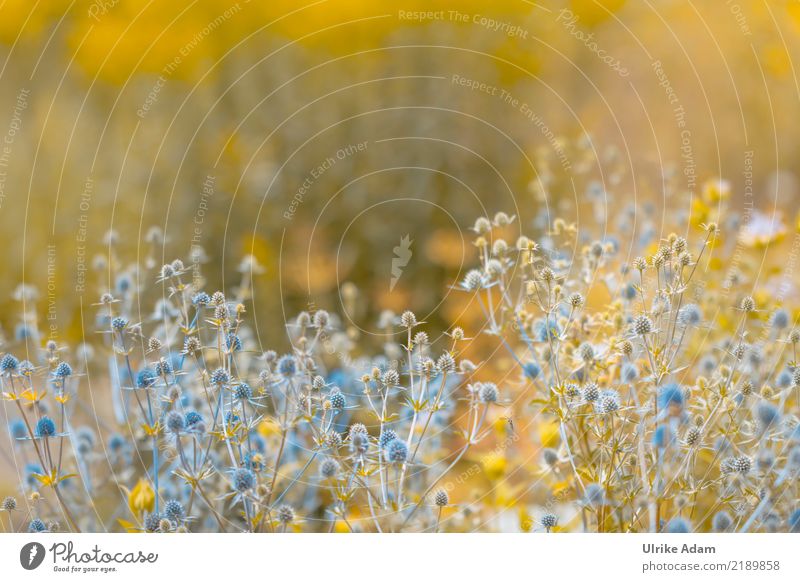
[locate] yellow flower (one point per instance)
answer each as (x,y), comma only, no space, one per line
(548,433)
(494,466)
(141,498)
(716,190)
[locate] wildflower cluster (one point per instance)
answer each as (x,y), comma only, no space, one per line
(204,432)
(656,395)
(672,393)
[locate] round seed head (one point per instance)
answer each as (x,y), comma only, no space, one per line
(386,437)
(642,325)
(722,522)
(408,319)
(45,427)
(243,480)
(549,520)
(693,436)
(591,393)
(488,392)
(174,511)
(396,451)
(329,468)
(220,377)
(286,514)
(175,421)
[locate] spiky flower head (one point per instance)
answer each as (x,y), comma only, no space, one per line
(446,363)
(387,436)
(321,319)
(390,378)
(329,468)
(693,436)
(175,422)
(473,280)
(441,498)
(337,400)
(9,364)
(45,427)
(243,480)
(408,319)
(591,393)
(63,370)
(174,511)
(488,392)
(608,402)
(287,365)
(549,521)
(220,377)
(286,514)
(722,522)
(396,451)
(642,325)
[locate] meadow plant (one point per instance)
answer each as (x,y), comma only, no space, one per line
(617,394)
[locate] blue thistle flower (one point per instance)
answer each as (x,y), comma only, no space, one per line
(722,521)
(152,522)
(45,427)
(337,400)
(233,342)
(63,370)
(243,480)
(542,327)
(192,418)
(9,364)
(287,365)
(145,378)
(532,370)
(690,315)
(387,436)
(220,377)
(767,414)
(116,442)
(201,298)
(629,292)
(780,319)
(678,525)
(629,372)
(243,391)
(670,395)
(175,421)
(17,429)
(174,511)
(163,368)
(396,451)
(662,436)
(119,324)
(37,526)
